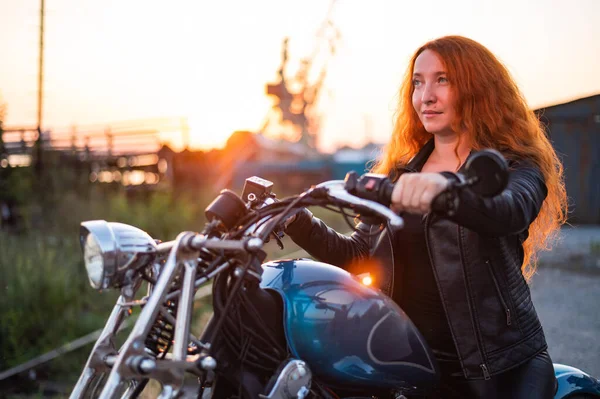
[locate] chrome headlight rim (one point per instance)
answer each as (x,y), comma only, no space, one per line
(104,237)
(123,249)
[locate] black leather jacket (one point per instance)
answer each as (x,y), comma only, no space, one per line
(476,256)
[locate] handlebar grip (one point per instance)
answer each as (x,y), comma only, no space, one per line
(370,186)
(386,193)
(445,202)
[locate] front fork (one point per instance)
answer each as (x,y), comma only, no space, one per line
(104,352)
(132,362)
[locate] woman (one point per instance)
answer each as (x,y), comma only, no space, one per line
(461,276)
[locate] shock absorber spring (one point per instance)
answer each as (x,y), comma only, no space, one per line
(161,334)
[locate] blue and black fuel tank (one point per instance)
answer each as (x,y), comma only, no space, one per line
(350,335)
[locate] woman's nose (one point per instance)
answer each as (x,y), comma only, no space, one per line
(428,95)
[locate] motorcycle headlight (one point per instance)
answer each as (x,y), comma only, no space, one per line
(94,261)
(110,250)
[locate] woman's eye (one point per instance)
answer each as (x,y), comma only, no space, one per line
(442,79)
(416,82)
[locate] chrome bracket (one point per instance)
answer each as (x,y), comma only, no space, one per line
(293,382)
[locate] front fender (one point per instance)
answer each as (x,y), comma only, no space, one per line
(574,381)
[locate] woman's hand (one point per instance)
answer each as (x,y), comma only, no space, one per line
(414,192)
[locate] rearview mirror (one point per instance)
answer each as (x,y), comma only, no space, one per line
(489,172)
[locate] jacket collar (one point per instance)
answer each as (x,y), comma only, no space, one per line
(415,164)
(418,161)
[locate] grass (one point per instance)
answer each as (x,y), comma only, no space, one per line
(45,302)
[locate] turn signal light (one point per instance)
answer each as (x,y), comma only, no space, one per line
(365,279)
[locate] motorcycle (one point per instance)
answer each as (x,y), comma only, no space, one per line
(292,328)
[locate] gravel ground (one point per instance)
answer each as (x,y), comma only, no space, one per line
(577,247)
(567,304)
(565,292)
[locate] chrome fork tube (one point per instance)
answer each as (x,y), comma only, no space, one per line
(134,345)
(184,311)
(102,348)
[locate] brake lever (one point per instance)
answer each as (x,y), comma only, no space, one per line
(337,190)
(278,236)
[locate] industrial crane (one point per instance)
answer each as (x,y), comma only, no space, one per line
(296,97)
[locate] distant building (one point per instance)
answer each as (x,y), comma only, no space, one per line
(574,129)
(357,159)
(293,167)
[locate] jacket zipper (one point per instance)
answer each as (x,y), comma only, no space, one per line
(506,308)
(393,265)
(486,374)
(437,282)
(483,366)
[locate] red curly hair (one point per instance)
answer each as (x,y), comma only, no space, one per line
(491,113)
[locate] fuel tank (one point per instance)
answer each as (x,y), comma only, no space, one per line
(572,381)
(350,335)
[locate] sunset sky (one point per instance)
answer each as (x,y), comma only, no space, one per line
(119,60)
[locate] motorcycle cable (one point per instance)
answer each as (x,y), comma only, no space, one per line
(326,204)
(289,203)
(256,361)
(244,300)
(300,201)
(251,309)
(281,217)
(346,217)
(315,196)
(255,357)
(271,209)
(257,218)
(202,273)
(244,352)
(237,285)
(256,215)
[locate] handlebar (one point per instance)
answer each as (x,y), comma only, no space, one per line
(338,190)
(369,195)
(486,174)
(379,188)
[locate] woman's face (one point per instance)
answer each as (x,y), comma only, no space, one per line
(432,96)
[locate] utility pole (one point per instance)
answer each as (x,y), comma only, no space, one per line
(38,151)
(41,71)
